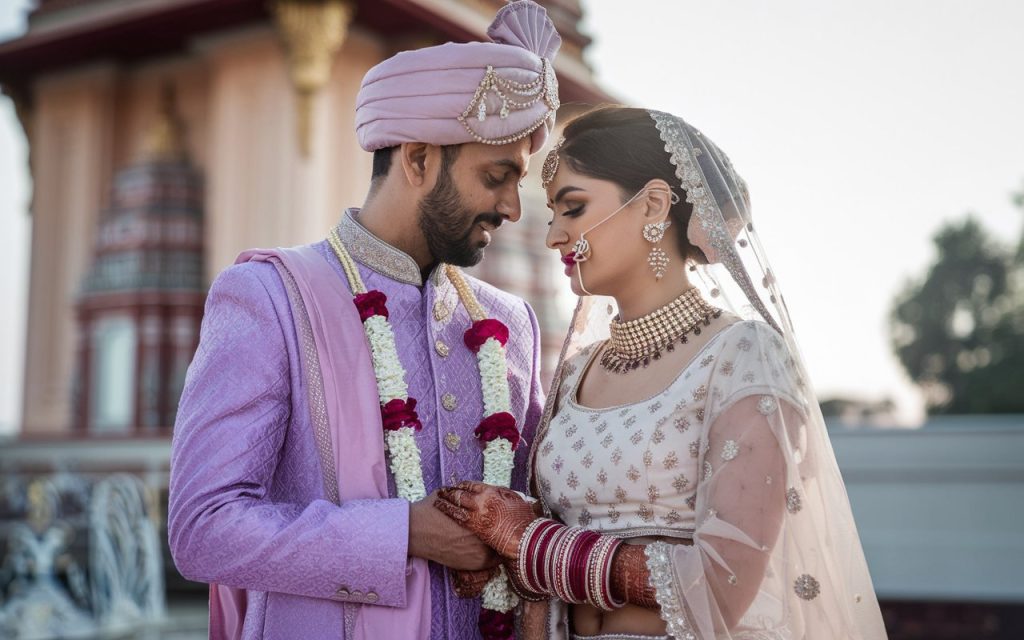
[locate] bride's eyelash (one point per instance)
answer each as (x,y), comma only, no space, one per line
(572,213)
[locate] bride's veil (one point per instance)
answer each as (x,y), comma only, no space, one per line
(816,584)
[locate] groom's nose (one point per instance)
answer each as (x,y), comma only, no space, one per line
(510,206)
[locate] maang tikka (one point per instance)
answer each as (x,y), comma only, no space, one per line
(550,168)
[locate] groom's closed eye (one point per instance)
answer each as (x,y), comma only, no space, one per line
(502,170)
(493,181)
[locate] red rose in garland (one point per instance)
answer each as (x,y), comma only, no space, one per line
(495,625)
(484,329)
(400,413)
(498,425)
(371,303)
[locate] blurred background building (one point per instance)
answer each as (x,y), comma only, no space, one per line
(166,136)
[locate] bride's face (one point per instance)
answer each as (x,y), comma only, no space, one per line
(618,251)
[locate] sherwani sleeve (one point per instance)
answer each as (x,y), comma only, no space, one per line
(534,408)
(232,424)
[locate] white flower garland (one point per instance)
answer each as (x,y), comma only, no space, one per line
(404,456)
(404,453)
(498,594)
(494,377)
(498,462)
(386,365)
(499,456)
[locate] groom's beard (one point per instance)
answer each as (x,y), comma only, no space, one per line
(448,225)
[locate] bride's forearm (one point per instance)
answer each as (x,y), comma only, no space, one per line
(631,578)
(576,566)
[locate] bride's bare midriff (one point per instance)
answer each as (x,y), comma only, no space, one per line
(591,621)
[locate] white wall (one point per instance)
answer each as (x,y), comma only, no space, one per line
(940,509)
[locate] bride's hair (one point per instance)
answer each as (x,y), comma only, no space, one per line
(623,146)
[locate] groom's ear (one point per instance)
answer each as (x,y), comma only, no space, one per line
(658,201)
(414,157)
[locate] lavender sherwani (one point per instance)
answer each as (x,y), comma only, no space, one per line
(248,507)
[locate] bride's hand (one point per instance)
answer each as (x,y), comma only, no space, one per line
(470,584)
(498,516)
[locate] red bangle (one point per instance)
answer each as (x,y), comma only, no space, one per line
(523,585)
(571,563)
(579,564)
(544,539)
(600,578)
(562,554)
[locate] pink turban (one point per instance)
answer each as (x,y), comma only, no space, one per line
(491,92)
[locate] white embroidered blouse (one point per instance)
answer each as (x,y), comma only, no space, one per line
(704,459)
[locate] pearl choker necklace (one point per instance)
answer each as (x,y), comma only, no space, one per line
(639,341)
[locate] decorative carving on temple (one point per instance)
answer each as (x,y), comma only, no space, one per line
(312,31)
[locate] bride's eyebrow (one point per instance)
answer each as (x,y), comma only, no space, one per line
(562,193)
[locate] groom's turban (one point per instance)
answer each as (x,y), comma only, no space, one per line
(492,92)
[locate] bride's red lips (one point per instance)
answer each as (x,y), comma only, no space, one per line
(569,258)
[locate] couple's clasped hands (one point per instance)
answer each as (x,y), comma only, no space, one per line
(472,528)
(497,516)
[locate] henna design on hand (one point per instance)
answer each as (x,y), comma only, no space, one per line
(630,577)
(504,518)
(455,513)
(470,584)
(498,516)
(512,571)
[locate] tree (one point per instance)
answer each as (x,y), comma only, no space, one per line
(959,332)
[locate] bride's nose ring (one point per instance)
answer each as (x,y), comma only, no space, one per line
(581,250)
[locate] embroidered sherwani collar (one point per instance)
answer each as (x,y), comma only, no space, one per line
(371,251)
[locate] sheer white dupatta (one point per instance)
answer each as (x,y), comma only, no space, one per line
(776,553)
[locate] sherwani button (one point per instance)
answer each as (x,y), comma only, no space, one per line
(449,402)
(342,593)
(452,441)
(357,595)
(441,311)
(372,597)
(442,349)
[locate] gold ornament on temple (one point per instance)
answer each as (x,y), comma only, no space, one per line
(636,343)
(164,140)
(312,31)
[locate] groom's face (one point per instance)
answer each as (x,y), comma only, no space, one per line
(476,191)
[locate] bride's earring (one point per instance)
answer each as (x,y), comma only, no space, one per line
(657,259)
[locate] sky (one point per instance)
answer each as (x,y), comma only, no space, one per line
(860,126)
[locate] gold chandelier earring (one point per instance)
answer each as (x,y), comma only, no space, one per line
(657,259)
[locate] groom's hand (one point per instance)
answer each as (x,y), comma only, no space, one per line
(436,537)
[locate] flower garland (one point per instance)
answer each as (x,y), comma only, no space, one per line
(398,410)
(486,338)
